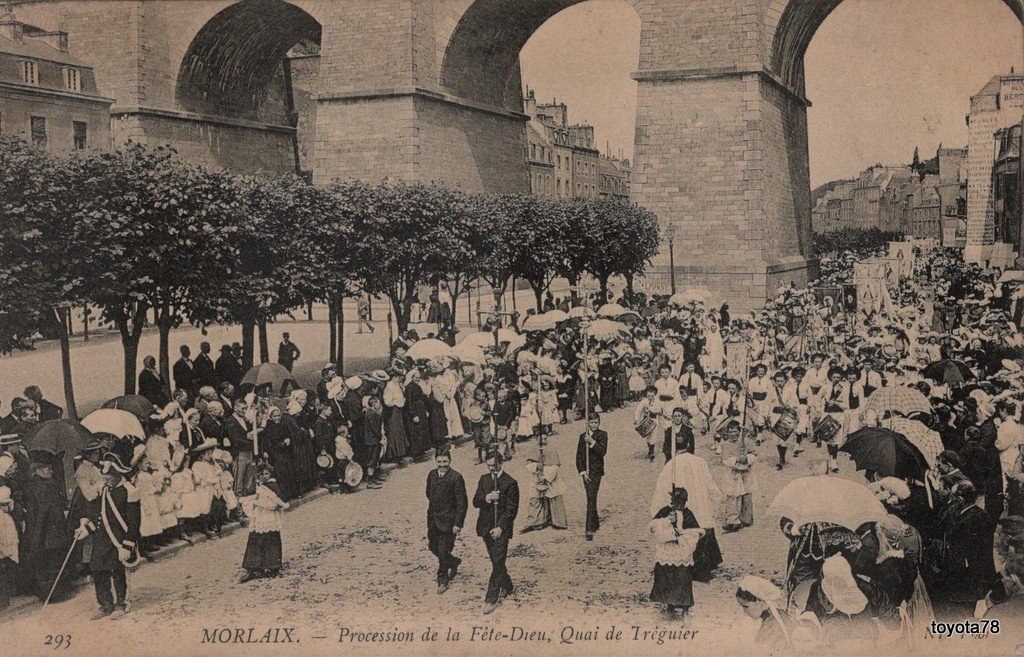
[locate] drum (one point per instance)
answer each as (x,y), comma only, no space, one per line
(786,424)
(646,426)
(353,473)
(827,429)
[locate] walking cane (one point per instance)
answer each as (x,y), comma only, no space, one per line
(59,573)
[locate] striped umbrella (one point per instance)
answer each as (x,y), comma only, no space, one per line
(920,436)
(902,400)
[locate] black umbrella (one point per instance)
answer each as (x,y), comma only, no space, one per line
(886,452)
(57,437)
(137,405)
(948,371)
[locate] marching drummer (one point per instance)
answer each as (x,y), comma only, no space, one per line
(648,418)
(759,388)
(782,417)
(836,394)
(799,388)
(732,409)
(855,399)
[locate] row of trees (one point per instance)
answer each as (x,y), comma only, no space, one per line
(140,233)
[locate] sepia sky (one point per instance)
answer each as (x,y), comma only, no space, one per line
(883,75)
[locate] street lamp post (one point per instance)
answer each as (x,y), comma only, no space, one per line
(670,234)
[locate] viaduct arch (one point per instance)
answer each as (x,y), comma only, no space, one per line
(429,90)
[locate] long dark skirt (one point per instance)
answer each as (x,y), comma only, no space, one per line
(263,551)
(707,557)
(438,422)
(284,473)
(398,442)
(306,470)
(673,585)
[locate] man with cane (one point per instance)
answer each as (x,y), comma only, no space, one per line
(115,523)
(590,451)
(497,498)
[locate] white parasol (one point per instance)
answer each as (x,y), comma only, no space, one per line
(485,339)
(606,329)
(115,422)
(469,353)
(920,436)
(428,349)
(827,499)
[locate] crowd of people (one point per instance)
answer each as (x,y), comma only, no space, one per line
(920,389)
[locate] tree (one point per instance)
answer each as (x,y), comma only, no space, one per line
(497,251)
(158,230)
(578,218)
(622,239)
(270,271)
(916,164)
(408,237)
(536,228)
(41,274)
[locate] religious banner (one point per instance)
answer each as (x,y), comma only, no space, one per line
(737,360)
(903,253)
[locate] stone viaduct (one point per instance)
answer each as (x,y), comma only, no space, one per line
(431,90)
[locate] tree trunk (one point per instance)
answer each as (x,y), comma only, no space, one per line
(538,291)
(67,323)
(309,311)
(629,287)
(604,290)
(332,326)
(401,313)
(574,295)
(248,340)
(264,347)
(163,326)
(65,368)
(85,322)
(340,305)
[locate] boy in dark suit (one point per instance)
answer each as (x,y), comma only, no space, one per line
(497,497)
(446,515)
(590,451)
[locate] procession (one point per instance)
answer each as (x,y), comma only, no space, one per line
(915,392)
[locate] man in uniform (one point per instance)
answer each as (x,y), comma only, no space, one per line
(497,498)
(447,504)
(114,522)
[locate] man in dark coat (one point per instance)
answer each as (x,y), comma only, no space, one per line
(47,536)
(184,372)
(590,451)
(228,367)
(151,383)
(239,434)
(203,369)
(373,437)
(114,522)
(352,412)
(497,498)
(969,545)
(47,409)
(446,514)
(287,352)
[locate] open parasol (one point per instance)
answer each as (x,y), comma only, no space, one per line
(469,353)
(827,499)
(924,439)
(580,311)
(539,323)
(606,329)
(903,400)
(612,310)
(691,295)
(557,315)
(116,422)
(948,371)
(885,452)
(137,405)
(428,349)
(57,437)
(267,373)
